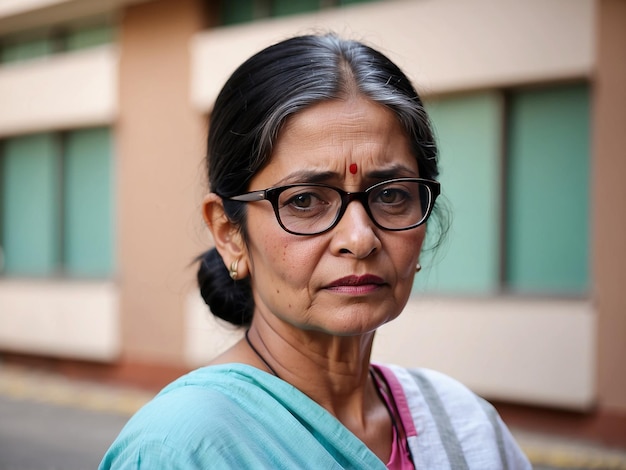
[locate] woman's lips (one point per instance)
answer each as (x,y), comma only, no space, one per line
(356,285)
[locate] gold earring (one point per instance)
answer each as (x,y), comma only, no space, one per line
(418,268)
(233,270)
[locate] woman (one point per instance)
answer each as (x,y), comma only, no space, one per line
(321,165)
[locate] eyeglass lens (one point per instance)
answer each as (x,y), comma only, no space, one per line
(395,205)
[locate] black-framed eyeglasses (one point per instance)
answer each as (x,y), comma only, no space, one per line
(311,209)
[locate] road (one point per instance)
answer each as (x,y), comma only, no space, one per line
(41,436)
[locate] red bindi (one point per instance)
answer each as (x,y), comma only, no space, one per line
(353,168)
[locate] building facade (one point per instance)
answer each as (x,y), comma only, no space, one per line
(103,112)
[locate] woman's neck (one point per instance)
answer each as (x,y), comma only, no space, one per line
(331,370)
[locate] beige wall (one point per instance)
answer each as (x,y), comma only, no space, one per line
(160,150)
(17,16)
(62,91)
(60,318)
(443,45)
(68,318)
(609,193)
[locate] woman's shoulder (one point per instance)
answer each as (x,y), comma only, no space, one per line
(196,411)
(441,395)
(429,381)
(454,422)
(203,394)
(234,416)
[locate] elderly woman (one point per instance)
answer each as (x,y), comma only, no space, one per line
(321,163)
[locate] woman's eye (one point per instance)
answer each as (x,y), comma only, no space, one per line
(306,200)
(391,196)
(302,200)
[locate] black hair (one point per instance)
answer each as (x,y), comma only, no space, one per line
(251,110)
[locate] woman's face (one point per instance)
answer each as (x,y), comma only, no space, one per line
(355,277)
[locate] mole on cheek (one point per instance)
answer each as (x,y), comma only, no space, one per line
(353,168)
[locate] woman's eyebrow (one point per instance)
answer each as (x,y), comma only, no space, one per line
(395,171)
(307,176)
(313,176)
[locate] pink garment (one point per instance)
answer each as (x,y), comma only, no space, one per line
(400,458)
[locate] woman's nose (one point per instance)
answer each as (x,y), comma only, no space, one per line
(355,234)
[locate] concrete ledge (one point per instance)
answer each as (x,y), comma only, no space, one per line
(69,90)
(444,45)
(68,319)
(22,15)
(530,351)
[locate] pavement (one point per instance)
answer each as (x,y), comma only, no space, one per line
(20,386)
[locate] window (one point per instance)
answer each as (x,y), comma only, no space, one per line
(30,194)
(514,172)
(34,44)
(85,37)
(55,204)
(467,130)
(547,219)
(241,11)
(17,51)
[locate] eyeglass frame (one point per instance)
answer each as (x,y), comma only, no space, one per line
(272,194)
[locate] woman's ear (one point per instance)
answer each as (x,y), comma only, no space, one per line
(227,236)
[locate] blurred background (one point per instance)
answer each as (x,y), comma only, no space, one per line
(103,118)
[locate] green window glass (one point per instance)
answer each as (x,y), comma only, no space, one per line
(30,205)
(468,133)
(88,221)
(19,48)
(548,191)
(290,7)
(237,11)
(16,51)
(89,37)
(351,2)
(241,11)
(56,212)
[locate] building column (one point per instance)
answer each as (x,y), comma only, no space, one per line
(160,145)
(609,203)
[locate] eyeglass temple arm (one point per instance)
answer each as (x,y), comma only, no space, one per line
(249,197)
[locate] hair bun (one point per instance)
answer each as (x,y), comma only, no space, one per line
(229,300)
